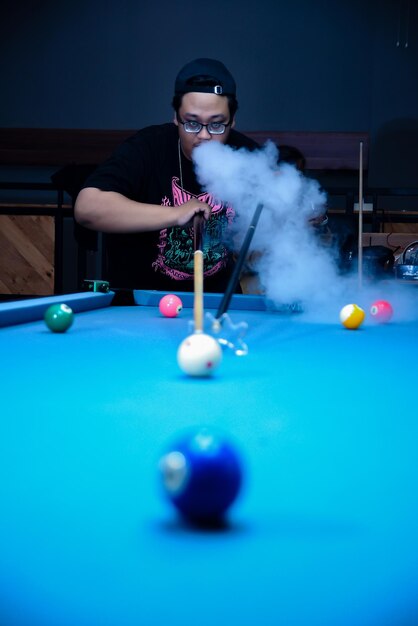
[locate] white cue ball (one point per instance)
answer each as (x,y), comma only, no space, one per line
(199,355)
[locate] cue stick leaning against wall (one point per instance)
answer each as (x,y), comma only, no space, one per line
(360,219)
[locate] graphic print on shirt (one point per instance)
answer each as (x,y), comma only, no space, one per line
(175,246)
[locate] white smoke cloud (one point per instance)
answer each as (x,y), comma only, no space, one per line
(292,262)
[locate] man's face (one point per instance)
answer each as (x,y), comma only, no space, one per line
(204,108)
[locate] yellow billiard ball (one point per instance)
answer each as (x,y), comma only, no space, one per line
(352,316)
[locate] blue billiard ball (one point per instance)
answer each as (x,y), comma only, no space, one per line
(202,476)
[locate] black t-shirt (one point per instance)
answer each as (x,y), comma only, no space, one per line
(145,168)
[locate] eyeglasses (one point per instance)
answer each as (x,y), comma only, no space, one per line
(213,128)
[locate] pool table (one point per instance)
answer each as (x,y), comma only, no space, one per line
(325,530)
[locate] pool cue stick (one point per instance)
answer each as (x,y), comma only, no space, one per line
(360,219)
(198,272)
(233,281)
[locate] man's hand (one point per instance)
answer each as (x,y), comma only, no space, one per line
(111,212)
(187,211)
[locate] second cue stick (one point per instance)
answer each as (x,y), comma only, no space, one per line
(198,272)
(360,218)
(233,281)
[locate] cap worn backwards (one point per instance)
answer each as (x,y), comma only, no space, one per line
(205,76)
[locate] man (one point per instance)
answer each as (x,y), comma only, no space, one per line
(145,196)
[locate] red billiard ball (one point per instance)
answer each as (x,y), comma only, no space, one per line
(381,311)
(202,475)
(170,305)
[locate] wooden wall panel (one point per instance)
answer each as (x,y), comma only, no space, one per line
(401,227)
(62,146)
(27,254)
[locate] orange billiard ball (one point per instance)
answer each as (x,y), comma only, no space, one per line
(352,316)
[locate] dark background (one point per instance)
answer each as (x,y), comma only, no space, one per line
(315,66)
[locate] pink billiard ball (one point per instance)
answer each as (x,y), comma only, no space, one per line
(170,305)
(381,311)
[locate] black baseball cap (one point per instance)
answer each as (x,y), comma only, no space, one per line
(192,78)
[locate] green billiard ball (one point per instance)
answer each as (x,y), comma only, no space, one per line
(59,317)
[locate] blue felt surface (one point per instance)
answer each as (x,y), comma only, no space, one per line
(324,533)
